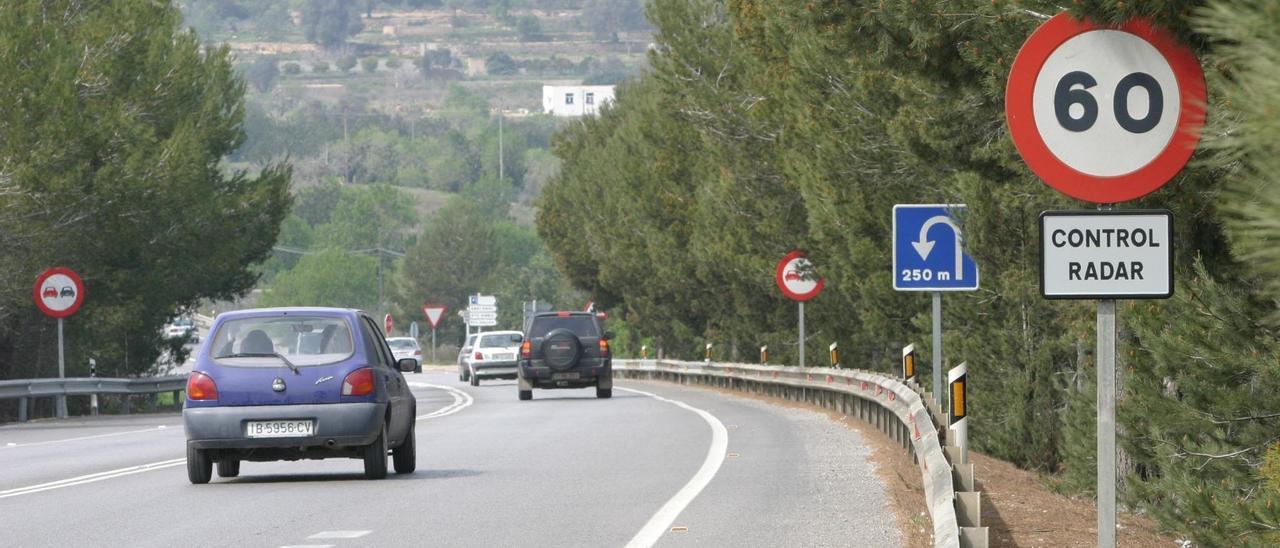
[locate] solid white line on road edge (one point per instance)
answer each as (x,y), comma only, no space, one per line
(339,534)
(661,522)
(90,478)
(160,428)
(461,400)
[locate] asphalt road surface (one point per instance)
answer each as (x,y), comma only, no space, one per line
(656,464)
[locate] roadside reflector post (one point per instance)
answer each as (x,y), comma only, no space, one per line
(644,351)
(708,353)
(958,379)
(835,356)
(764,354)
(93,398)
(909,363)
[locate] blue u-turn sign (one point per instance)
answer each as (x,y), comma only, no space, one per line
(928,250)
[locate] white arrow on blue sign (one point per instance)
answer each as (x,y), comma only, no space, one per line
(928,249)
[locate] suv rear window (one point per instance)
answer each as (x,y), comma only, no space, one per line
(500,340)
(581,325)
(302,340)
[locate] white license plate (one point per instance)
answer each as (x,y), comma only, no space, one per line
(504,357)
(564,376)
(280,429)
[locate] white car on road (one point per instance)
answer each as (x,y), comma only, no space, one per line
(407,348)
(494,355)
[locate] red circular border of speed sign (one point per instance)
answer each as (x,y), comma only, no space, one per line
(779,277)
(1091,188)
(75,278)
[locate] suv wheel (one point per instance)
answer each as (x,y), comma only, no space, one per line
(526,395)
(375,456)
(228,468)
(475,381)
(561,349)
(199,467)
(604,393)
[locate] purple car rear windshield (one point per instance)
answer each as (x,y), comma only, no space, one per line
(302,340)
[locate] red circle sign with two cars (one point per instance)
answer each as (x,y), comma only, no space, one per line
(1104,114)
(58,292)
(795,278)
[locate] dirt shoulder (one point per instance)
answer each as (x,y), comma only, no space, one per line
(1017,507)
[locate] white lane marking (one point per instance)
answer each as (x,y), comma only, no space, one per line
(309,546)
(339,534)
(461,400)
(93,437)
(661,522)
(90,478)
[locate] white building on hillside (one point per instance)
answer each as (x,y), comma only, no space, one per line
(575,100)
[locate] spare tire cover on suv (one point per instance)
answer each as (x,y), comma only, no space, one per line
(561,349)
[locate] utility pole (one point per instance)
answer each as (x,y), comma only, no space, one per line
(501,171)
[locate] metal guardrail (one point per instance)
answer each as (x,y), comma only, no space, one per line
(24,389)
(901,410)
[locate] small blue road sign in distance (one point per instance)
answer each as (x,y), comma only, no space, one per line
(928,250)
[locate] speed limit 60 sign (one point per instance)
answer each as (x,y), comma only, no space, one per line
(1104,114)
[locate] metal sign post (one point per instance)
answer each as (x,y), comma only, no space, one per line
(928,255)
(58,293)
(62,374)
(795,277)
(937,346)
(433,345)
(1106,422)
(801,333)
(1063,73)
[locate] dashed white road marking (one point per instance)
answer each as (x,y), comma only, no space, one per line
(461,400)
(91,478)
(93,437)
(339,534)
(661,522)
(308,546)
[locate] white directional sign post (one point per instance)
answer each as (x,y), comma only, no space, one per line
(1105,115)
(795,277)
(434,314)
(482,311)
(58,293)
(928,255)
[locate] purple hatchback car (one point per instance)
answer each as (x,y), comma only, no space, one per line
(297,383)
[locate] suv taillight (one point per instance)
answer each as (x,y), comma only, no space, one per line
(479,356)
(526,349)
(200,387)
(358,382)
(604,348)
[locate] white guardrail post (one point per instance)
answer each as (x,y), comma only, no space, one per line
(897,408)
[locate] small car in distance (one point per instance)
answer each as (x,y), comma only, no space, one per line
(464,373)
(407,348)
(297,383)
(182,328)
(494,356)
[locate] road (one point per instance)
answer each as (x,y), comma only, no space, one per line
(657,463)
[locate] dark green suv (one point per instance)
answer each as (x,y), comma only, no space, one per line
(565,350)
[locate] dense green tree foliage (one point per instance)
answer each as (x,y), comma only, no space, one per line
(769,126)
(111,144)
(330,22)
